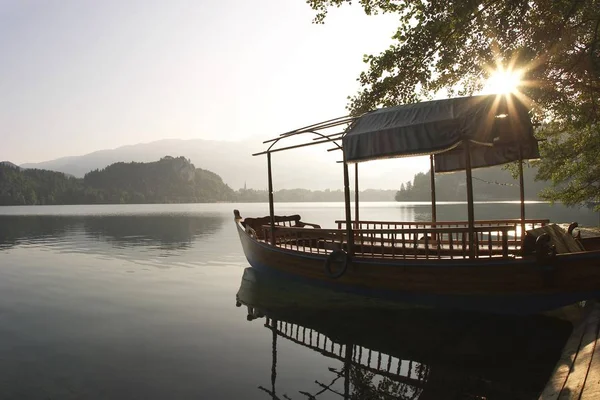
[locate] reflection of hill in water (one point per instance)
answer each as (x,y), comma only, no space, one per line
(389,352)
(165,231)
(19,229)
(162,231)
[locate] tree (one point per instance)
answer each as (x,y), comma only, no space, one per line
(443,45)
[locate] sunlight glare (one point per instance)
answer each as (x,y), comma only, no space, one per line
(503,82)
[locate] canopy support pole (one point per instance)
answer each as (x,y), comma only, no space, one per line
(271,203)
(356,196)
(470,210)
(522,193)
(432,175)
(350,249)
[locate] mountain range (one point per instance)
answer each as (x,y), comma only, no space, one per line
(309,168)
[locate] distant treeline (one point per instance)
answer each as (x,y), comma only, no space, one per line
(305,195)
(169,180)
(495,183)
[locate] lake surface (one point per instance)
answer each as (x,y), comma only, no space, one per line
(139,302)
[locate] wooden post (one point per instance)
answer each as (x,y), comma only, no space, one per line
(432,173)
(349,234)
(470,210)
(522,193)
(271,205)
(356,226)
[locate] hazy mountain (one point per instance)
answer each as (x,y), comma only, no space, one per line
(310,168)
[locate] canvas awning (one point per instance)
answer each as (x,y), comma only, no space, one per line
(439,126)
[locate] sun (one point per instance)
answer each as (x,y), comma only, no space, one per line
(503,81)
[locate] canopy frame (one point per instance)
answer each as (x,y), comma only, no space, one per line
(350,124)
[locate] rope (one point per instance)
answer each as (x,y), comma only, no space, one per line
(495,183)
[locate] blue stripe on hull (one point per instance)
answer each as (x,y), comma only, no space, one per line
(519,304)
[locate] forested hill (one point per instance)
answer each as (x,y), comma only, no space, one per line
(493,183)
(170,180)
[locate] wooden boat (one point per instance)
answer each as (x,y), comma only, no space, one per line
(424,354)
(507,266)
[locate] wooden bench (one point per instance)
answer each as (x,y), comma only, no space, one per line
(257,224)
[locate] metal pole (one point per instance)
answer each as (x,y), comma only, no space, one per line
(356,196)
(271,205)
(522,193)
(432,175)
(350,249)
(470,210)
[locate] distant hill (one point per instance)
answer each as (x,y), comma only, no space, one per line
(310,168)
(9,164)
(169,180)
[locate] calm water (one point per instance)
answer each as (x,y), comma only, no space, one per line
(139,302)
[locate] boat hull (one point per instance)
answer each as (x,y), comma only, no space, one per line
(514,286)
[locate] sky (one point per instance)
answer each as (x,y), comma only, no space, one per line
(78,76)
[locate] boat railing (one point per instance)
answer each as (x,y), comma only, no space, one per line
(415,242)
(514,239)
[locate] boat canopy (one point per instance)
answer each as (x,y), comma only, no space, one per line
(499,126)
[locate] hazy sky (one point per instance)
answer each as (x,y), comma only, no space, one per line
(78,76)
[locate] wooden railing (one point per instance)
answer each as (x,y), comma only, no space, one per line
(415,242)
(514,239)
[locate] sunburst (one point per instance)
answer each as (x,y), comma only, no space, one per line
(503,81)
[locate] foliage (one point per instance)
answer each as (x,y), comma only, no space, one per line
(447,44)
(36,186)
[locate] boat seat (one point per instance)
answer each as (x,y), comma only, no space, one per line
(563,241)
(280,220)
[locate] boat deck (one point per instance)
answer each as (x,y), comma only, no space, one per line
(577,373)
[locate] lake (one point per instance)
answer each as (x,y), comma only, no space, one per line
(139,302)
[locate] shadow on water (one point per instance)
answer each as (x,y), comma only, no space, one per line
(387,351)
(162,231)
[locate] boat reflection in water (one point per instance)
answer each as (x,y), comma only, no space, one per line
(388,351)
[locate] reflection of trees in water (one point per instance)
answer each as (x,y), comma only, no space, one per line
(165,231)
(15,229)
